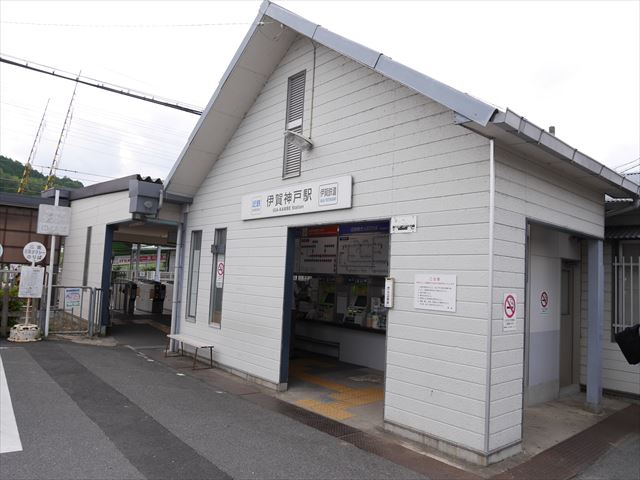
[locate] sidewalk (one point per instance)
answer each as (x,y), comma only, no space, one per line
(603,450)
(609,438)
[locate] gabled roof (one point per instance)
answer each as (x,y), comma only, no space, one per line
(264,46)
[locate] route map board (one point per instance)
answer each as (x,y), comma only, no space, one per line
(363,249)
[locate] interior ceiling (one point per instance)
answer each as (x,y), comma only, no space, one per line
(147,233)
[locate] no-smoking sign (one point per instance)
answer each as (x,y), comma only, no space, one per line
(509,312)
(543,296)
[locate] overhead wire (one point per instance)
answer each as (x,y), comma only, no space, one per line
(140,25)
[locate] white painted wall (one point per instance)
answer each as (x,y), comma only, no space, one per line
(96,212)
(406,157)
(548,249)
(526,190)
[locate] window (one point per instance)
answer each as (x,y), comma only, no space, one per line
(626,285)
(295,108)
(217,278)
(194,272)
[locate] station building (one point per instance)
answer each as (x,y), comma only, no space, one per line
(335,201)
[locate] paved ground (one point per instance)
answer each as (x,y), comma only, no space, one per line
(87,412)
(102,412)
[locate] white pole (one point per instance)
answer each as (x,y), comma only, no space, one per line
(158,254)
(52,254)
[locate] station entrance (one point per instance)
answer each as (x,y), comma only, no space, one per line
(338,322)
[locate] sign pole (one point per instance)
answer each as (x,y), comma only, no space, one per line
(50,276)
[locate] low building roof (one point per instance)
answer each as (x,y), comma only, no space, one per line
(265,44)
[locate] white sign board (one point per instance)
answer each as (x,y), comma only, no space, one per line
(31,279)
(435,291)
(1,250)
(72,298)
(54,220)
(321,195)
(404,224)
(34,252)
(220,271)
(388,292)
(509,312)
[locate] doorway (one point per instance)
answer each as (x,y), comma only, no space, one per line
(569,328)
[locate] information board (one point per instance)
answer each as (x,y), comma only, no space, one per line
(31,280)
(317,255)
(435,291)
(363,249)
(54,220)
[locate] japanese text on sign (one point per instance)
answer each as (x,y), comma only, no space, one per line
(34,252)
(31,279)
(435,291)
(509,312)
(311,197)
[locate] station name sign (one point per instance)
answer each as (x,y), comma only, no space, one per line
(316,196)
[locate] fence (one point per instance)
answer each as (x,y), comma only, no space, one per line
(76,310)
(626,288)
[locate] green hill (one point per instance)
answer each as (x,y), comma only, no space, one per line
(11,174)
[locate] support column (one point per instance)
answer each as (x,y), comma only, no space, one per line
(595,324)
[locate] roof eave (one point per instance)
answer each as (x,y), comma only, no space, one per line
(519,126)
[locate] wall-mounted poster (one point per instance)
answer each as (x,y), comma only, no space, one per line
(435,291)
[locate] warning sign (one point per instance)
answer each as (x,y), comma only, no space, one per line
(220,273)
(509,312)
(544,302)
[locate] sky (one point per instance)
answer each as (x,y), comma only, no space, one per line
(574,65)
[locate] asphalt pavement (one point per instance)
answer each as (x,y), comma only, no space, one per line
(88,412)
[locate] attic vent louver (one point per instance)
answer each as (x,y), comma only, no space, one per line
(295,108)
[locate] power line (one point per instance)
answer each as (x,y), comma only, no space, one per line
(77,171)
(148,25)
(18,62)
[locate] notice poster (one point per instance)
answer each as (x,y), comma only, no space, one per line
(435,291)
(31,280)
(72,298)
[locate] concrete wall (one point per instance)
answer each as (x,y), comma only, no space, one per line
(406,156)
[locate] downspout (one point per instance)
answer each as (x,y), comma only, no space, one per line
(176,300)
(492,204)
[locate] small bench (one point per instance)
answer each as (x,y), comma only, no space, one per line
(194,342)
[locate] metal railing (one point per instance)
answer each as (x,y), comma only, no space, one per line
(75,310)
(626,287)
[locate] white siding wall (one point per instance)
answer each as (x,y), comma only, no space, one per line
(96,212)
(617,373)
(406,157)
(525,190)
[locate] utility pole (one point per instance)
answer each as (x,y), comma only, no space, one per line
(63,133)
(36,141)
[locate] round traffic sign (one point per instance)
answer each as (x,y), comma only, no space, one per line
(34,252)
(1,250)
(220,269)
